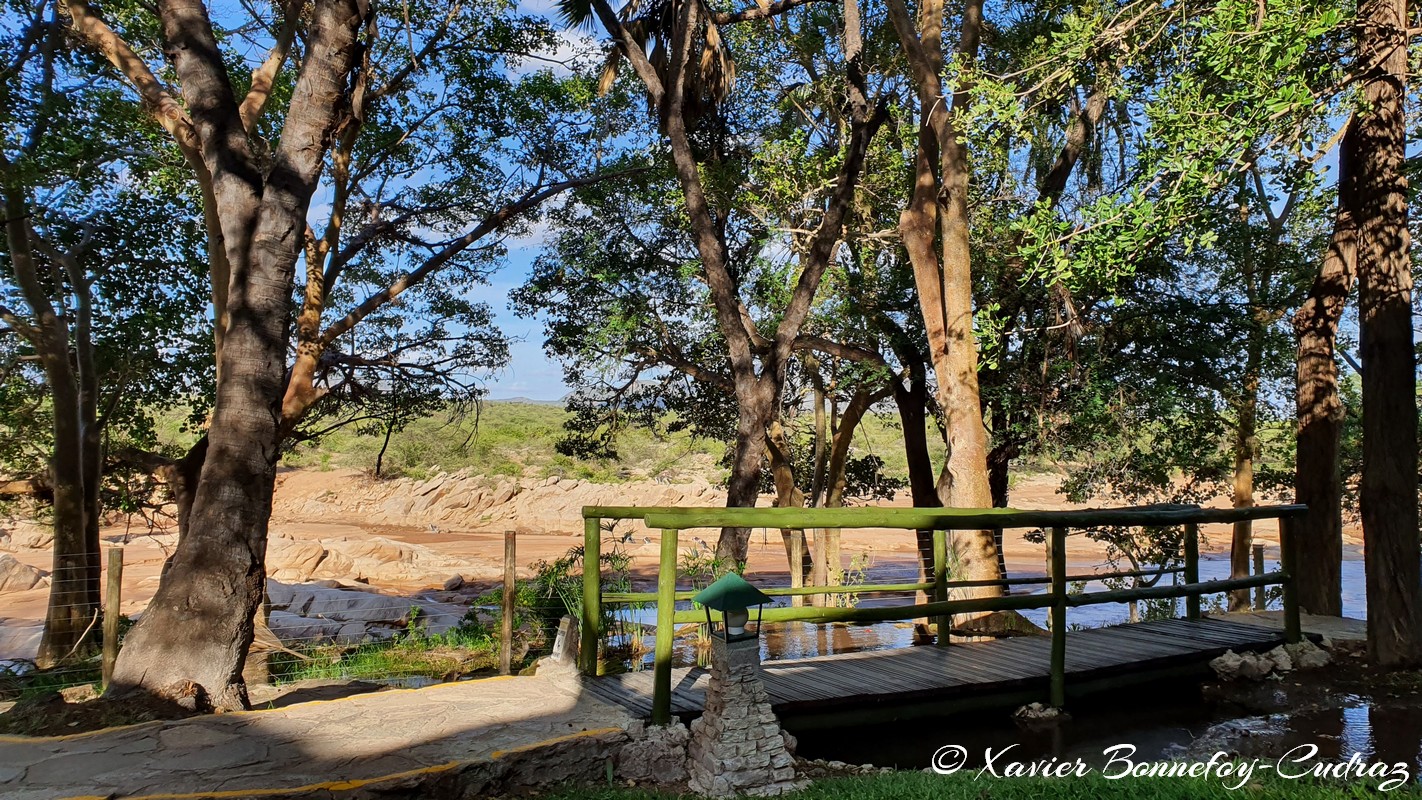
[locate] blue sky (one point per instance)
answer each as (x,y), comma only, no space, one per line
(529,373)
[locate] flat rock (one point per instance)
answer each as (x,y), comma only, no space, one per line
(18,577)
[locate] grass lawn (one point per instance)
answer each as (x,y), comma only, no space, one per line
(926,786)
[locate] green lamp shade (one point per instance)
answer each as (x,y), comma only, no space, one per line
(730,592)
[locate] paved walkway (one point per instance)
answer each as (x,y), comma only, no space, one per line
(350,740)
(1338,629)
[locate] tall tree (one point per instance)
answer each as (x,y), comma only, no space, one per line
(685,73)
(422,185)
(1318,478)
(97,251)
(1376,149)
(935,230)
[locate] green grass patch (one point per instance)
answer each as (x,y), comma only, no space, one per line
(19,685)
(519,439)
(926,786)
(469,649)
(443,656)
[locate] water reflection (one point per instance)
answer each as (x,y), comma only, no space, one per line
(910,745)
(1385,729)
(805,640)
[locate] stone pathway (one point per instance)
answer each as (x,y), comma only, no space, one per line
(1338,629)
(350,740)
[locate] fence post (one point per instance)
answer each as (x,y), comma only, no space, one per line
(592,594)
(940,579)
(1192,568)
(112,598)
(1293,625)
(506,651)
(1260,597)
(796,562)
(1059,613)
(666,609)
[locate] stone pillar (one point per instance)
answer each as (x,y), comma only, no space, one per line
(737,746)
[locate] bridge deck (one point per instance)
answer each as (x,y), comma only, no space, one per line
(971,673)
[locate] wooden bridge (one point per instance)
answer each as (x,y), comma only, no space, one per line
(935,679)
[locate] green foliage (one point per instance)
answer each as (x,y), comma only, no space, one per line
(461,652)
(965,785)
(522,439)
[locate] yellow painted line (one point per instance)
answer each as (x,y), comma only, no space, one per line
(567,737)
(67,737)
(356,783)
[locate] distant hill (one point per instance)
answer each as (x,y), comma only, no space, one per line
(526,401)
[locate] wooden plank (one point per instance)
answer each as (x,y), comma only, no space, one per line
(999,661)
(1158,638)
(1219,633)
(908,675)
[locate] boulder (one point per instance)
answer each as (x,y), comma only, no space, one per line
(292,559)
(294,629)
(1241,666)
(23,534)
(1307,655)
(18,577)
(453,583)
(353,633)
(1281,659)
(350,606)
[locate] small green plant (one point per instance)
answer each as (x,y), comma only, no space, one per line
(856,573)
(701,567)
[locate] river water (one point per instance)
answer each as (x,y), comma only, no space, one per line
(804,640)
(1370,716)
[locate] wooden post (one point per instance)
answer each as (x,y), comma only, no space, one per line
(1260,596)
(1293,625)
(592,594)
(940,579)
(1192,568)
(112,598)
(666,611)
(797,564)
(1059,618)
(506,650)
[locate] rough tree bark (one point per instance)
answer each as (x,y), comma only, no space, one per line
(200,623)
(1320,413)
(1388,487)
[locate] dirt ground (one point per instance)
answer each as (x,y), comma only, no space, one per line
(477,554)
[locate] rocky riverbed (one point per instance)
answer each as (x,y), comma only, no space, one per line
(380,548)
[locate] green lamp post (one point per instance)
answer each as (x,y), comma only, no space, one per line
(733,597)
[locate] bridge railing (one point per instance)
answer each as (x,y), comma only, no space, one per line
(672,521)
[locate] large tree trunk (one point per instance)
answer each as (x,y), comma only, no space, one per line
(1388,488)
(200,623)
(1317,477)
(71,609)
(944,279)
(756,411)
(964,482)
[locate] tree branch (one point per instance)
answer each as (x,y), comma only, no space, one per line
(264,77)
(153,97)
(530,199)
